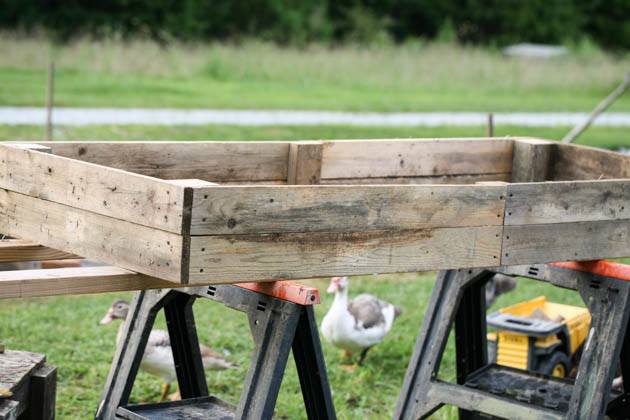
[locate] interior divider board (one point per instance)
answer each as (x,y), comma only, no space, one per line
(421,180)
(241,210)
(238,258)
(573,162)
(99,189)
(565,242)
(17,250)
(416,157)
(71,281)
(209,160)
(568,201)
(305,163)
(101,238)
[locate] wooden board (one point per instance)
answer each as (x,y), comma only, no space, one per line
(421,180)
(211,161)
(227,259)
(305,163)
(269,209)
(428,157)
(532,158)
(16,250)
(111,192)
(587,163)
(150,251)
(563,202)
(74,281)
(527,244)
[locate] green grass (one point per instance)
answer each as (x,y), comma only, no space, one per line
(605,137)
(66,329)
(411,77)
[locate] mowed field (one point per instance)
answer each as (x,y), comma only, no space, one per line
(416,76)
(413,77)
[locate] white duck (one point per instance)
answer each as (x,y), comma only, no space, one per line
(359,324)
(158,356)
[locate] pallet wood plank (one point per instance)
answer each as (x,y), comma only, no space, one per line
(101,238)
(240,258)
(74,281)
(574,163)
(305,163)
(213,161)
(569,201)
(421,180)
(527,244)
(531,161)
(17,250)
(417,157)
(111,192)
(281,209)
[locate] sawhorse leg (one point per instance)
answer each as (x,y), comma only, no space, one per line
(277,326)
(136,330)
(471,347)
(609,303)
(414,400)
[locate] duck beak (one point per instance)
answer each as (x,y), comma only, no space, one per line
(107,318)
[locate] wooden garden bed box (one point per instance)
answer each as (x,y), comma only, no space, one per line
(217,212)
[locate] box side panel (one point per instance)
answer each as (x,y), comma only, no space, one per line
(415,158)
(238,258)
(528,244)
(90,235)
(572,162)
(568,201)
(282,209)
(210,161)
(99,189)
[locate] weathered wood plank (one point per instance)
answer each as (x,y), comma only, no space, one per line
(113,241)
(305,163)
(209,160)
(532,160)
(574,162)
(74,281)
(16,250)
(563,202)
(111,192)
(226,259)
(417,157)
(528,244)
(281,209)
(421,180)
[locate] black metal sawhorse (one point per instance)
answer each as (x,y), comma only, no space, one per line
(278,326)
(486,390)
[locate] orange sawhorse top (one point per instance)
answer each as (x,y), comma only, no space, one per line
(599,267)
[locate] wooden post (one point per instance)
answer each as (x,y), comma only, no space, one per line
(601,107)
(490,132)
(531,160)
(50,101)
(305,163)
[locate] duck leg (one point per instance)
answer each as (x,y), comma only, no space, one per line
(364,353)
(165,388)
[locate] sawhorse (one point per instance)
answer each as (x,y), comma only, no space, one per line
(458,298)
(281,319)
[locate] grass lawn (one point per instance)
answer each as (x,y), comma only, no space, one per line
(411,77)
(66,329)
(605,137)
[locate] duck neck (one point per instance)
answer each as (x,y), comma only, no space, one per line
(341,298)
